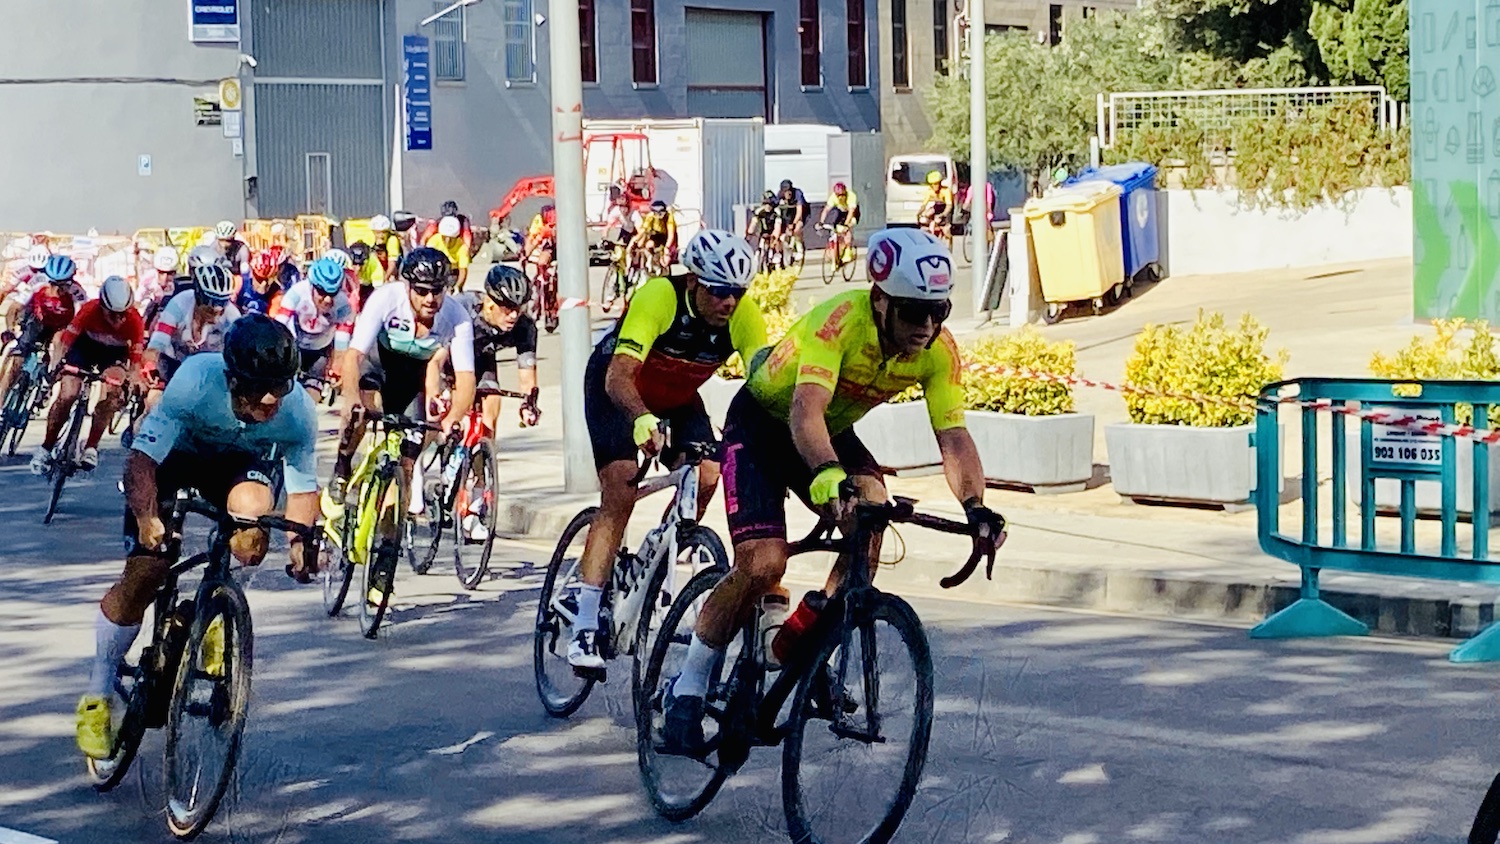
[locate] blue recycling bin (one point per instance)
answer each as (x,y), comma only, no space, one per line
(1137,181)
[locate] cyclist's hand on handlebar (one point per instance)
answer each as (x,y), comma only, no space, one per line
(530,413)
(648,435)
(988,527)
(303,556)
(151,532)
(826,484)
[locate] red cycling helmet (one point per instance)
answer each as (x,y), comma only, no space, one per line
(263,266)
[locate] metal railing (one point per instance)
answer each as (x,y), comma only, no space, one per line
(1129,111)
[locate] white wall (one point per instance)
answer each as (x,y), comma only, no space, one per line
(1206,231)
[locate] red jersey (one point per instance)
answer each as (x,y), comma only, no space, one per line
(51,306)
(93,322)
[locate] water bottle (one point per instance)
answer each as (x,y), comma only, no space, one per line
(455,460)
(797,624)
(772,615)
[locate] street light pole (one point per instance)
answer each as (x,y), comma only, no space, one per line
(572,244)
(979,165)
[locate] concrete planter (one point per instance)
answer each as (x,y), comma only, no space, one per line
(1046,453)
(717,393)
(900,436)
(1179,463)
(1429,493)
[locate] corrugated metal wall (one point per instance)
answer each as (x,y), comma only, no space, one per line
(734,168)
(341,120)
(726,66)
(328,39)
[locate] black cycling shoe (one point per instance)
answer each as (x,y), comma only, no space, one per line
(682,734)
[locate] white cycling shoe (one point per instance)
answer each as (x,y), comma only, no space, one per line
(41,461)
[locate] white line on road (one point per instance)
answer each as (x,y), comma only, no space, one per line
(15,836)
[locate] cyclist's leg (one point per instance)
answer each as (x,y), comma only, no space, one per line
(251,494)
(68,389)
(488,379)
(315,368)
(31,333)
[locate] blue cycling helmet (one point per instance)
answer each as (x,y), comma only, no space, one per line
(60,268)
(326,275)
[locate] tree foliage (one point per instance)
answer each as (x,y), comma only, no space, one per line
(1364,42)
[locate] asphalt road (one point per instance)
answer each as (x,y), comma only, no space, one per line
(1051,727)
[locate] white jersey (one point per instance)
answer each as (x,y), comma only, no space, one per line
(173,334)
(388,320)
(314,329)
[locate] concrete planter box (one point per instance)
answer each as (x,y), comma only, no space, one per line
(1046,453)
(900,436)
(1429,493)
(717,393)
(1179,463)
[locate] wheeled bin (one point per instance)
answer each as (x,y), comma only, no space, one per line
(1075,230)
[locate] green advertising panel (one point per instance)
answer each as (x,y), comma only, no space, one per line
(1455,123)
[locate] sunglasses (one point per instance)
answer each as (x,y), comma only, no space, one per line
(259,387)
(919,311)
(425,292)
(722,292)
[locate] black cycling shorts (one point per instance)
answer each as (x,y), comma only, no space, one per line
(400,380)
(213,475)
(315,362)
(612,430)
(840,216)
(33,335)
(761,464)
(90,354)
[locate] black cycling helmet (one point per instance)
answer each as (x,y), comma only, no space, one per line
(786,184)
(449,209)
(359,253)
(508,286)
(768,196)
(425,265)
(260,356)
(658,205)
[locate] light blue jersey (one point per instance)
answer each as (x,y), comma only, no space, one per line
(194,416)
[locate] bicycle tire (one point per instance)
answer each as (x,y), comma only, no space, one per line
(483,456)
(17,412)
(558,702)
(380,567)
(798,257)
(62,468)
(224,600)
(699,537)
(336,572)
(896,612)
(830,259)
(646,708)
(1486,827)
(848,267)
(436,510)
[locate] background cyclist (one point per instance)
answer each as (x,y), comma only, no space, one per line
(47,311)
(320,317)
(192,321)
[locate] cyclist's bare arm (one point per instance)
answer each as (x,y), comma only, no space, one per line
(526,377)
(619,385)
(809,427)
(354,360)
(140,495)
(961,464)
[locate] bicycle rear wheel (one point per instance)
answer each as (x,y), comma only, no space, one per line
(1486,827)
(380,567)
(210,701)
(680,787)
(477,481)
(560,690)
(870,692)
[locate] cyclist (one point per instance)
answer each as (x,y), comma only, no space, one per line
(368,273)
(936,214)
(389,361)
(387,245)
(192,321)
(235,251)
(219,429)
(792,428)
(658,233)
(449,240)
(320,317)
(762,223)
(48,310)
(22,284)
(466,231)
(263,291)
(541,235)
(843,207)
(675,333)
(106,336)
(793,208)
(156,287)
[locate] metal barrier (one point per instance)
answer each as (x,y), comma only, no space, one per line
(1398,474)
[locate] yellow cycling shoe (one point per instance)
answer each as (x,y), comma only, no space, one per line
(95,731)
(212,649)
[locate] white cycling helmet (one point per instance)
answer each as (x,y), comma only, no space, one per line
(910,264)
(37,256)
(214,283)
(338,256)
(380,223)
(115,294)
(449,227)
(203,256)
(719,257)
(165,260)
(225,230)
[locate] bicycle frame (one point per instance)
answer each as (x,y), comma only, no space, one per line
(681,516)
(385,457)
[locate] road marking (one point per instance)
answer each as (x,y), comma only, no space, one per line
(15,836)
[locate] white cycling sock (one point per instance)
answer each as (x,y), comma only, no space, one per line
(418,492)
(693,681)
(111,643)
(588,607)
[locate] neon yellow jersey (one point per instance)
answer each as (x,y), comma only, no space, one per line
(654,225)
(371,273)
(848,202)
(454,247)
(837,346)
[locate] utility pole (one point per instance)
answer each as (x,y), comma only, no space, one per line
(979,164)
(572,239)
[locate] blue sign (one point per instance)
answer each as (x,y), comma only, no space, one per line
(215,21)
(416,58)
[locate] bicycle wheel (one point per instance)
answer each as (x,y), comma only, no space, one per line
(700,549)
(680,787)
(335,566)
(611,290)
(1486,827)
(62,467)
(830,259)
(135,687)
(847,268)
(17,411)
(561,691)
(797,256)
(477,481)
(380,568)
(427,529)
(209,703)
(871,691)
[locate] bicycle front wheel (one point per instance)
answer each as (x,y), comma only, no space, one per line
(796,255)
(427,529)
(868,695)
(337,557)
(846,269)
(561,691)
(387,505)
(474,539)
(17,411)
(1486,827)
(210,701)
(700,549)
(830,259)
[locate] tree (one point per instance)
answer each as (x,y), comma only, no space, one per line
(1364,42)
(1260,36)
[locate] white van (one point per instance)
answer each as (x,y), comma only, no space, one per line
(906,184)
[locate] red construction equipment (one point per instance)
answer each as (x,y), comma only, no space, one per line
(629,172)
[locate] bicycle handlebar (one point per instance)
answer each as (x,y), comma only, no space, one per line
(191,503)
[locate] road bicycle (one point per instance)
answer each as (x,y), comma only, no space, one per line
(866,650)
(625,275)
(376,528)
(543,271)
(640,583)
(791,252)
(766,253)
(465,486)
(129,413)
(193,678)
(839,254)
(65,456)
(26,398)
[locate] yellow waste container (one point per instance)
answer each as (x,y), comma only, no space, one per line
(1076,233)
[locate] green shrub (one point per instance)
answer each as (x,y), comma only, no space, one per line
(1207,359)
(1024,349)
(1443,357)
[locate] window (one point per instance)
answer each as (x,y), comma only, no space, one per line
(859,74)
(319,182)
(587,49)
(1054,24)
(448,43)
(940,35)
(1088,12)
(519,65)
(812,44)
(900,66)
(643,41)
